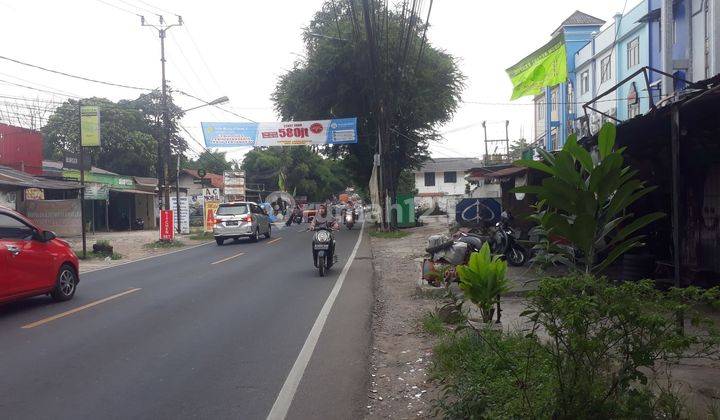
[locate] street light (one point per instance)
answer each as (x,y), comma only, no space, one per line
(219,101)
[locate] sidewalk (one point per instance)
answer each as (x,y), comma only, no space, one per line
(130,245)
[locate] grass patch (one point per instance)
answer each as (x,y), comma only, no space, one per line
(164,244)
(97,256)
(198,236)
(432,324)
(393,234)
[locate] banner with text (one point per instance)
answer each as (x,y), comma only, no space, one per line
(290,133)
(545,67)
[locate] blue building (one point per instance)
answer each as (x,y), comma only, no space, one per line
(554,112)
(612,55)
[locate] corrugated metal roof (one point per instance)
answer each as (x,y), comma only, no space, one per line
(450,164)
(15,178)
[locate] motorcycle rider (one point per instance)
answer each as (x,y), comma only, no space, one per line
(291,217)
(323,219)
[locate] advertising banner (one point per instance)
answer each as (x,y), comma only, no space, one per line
(96,192)
(211,194)
(34,194)
(210,210)
(89,126)
(59,216)
(545,67)
(184,214)
(289,133)
(167,230)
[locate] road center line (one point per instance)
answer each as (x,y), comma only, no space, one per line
(78,309)
(287,393)
(228,258)
(273,241)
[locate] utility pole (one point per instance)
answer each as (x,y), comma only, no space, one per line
(164,144)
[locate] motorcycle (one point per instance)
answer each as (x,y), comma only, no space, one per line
(138,224)
(323,249)
(503,241)
(350,218)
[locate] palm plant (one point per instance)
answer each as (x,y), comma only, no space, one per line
(483,280)
(586,200)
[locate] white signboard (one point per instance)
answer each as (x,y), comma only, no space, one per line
(184,213)
(286,133)
(211,194)
(234,182)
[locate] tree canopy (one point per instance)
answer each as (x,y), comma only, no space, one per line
(417,84)
(295,169)
(213,161)
(129,131)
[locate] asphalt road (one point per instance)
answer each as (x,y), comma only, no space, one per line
(207,332)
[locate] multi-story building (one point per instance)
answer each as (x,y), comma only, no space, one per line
(612,55)
(441,181)
(554,108)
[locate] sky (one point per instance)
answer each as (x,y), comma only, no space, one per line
(239,48)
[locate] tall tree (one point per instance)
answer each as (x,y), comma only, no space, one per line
(418,85)
(213,161)
(129,129)
(301,169)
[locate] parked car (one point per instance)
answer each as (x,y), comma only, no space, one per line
(309,211)
(33,261)
(240,220)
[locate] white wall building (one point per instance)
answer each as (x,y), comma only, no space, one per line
(441,181)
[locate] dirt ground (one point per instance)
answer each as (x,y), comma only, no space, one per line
(128,244)
(401,351)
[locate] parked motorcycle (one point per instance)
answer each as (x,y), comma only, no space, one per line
(138,224)
(503,241)
(444,254)
(323,249)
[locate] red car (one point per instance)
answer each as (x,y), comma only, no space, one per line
(33,262)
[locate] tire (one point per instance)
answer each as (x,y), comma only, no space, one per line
(349,226)
(65,285)
(220,241)
(256,235)
(267,235)
(321,266)
(516,256)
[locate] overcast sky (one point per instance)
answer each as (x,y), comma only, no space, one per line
(244,45)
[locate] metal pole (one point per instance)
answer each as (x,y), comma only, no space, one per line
(82,183)
(177,193)
(166,125)
(675,155)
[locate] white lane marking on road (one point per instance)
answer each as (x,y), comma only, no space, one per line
(287,393)
(228,258)
(143,259)
(273,241)
(78,309)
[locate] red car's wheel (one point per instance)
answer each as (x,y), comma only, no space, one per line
(66,284)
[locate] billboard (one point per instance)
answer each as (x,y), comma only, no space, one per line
(184,214)
(289,133)
(59,216)
(89,126)
(234,183)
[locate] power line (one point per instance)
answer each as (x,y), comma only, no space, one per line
(62,73)
(202,58)
(157,8)
(216,106)
(114,6)
(37,89)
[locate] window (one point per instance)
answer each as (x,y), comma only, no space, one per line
(450,177)
(541,110)
(232,209)
(707,38)
(554,101)
(12,228)
(585,82)
(429,179)
(605,69)
(633,53)
(570,98)
(633,110)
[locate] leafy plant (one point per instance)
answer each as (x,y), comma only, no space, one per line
(593,349)
(586,200)
(433,324)
(483,280)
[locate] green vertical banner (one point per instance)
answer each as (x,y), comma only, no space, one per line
(545,67)
(89,126)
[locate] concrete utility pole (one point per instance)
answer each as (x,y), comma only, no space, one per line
(666,37)
(164,144)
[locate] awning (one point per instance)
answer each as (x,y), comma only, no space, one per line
(146,181)
(14,178)
(499,173)
(131,191)
(653,15)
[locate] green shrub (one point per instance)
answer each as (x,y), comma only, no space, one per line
(601,343)
(483,280)
(432,324)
